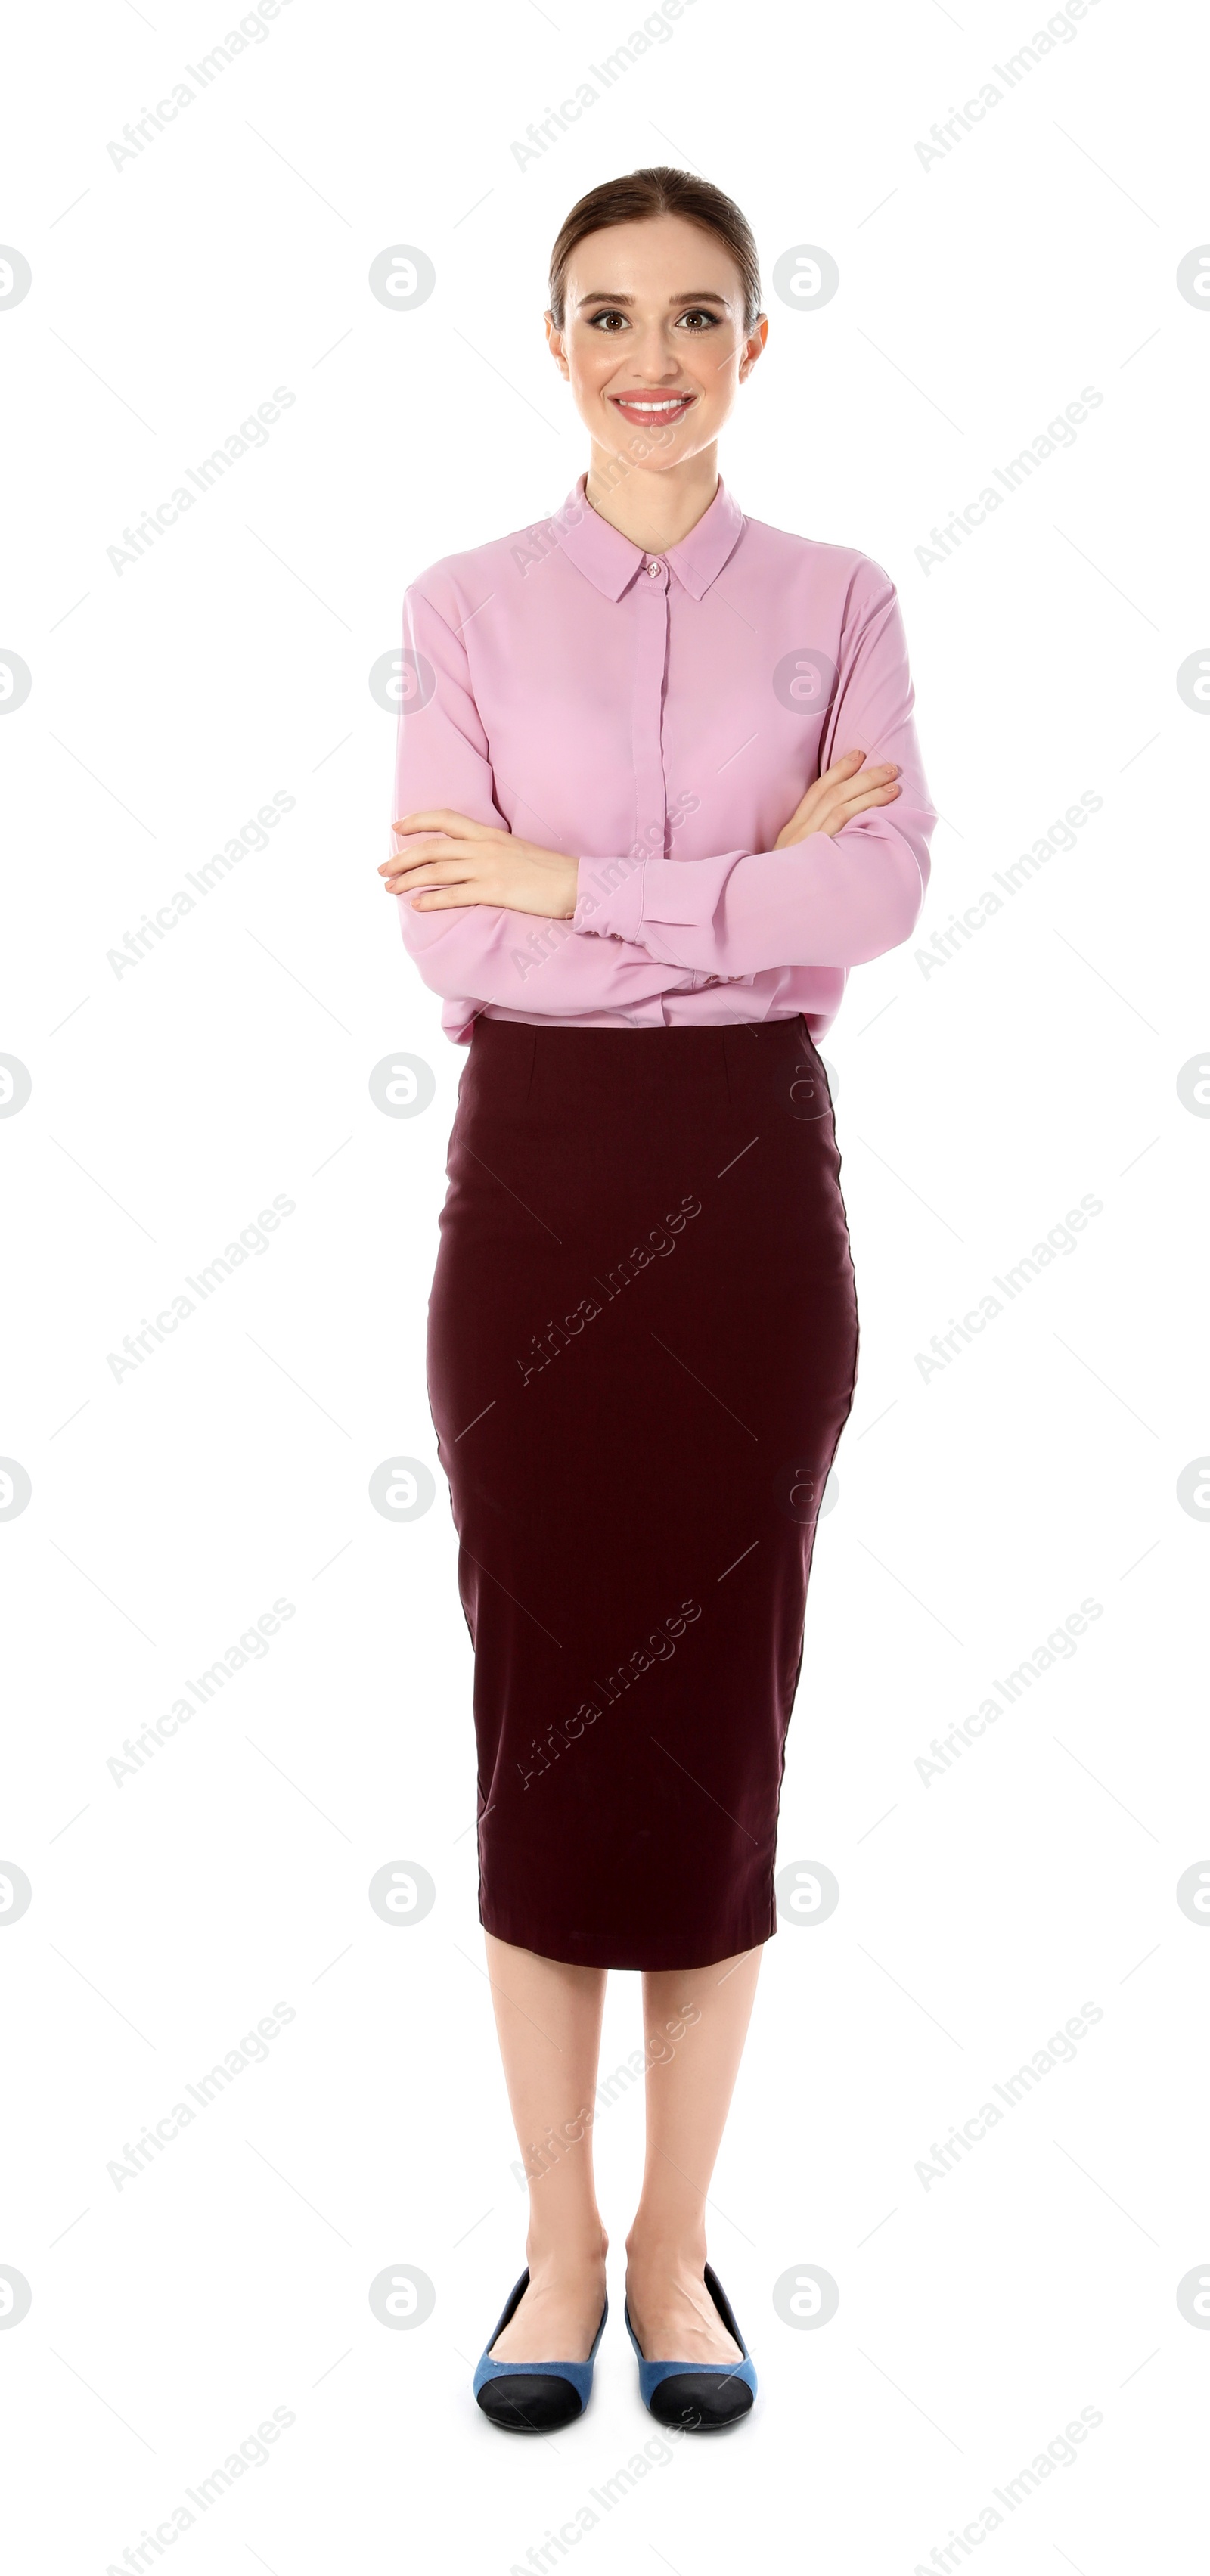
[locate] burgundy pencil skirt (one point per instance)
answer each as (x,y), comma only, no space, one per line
(642,1352)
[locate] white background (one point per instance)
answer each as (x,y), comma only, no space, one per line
(976,1104)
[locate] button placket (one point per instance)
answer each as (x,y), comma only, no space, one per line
(651,662)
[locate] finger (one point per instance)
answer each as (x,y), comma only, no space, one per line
(434,818)
(402,858)
(447,872)
(443,818)
(889,787)
(459,890)
(838,776)
(451,900)
(404,888)
(871,782)
(882,769)
(437,845)
(873,796)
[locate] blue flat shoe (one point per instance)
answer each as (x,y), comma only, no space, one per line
(533,2396)
(693,2397)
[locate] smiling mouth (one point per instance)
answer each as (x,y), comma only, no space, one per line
(649,407)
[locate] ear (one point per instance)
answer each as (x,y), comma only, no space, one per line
(753,344)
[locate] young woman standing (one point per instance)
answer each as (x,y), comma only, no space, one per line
(658,789)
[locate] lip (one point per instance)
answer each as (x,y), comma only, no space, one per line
(645,409)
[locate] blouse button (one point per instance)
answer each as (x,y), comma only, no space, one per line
(654,567)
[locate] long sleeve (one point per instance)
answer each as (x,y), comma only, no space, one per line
(483,953)
(657,719)
(827,901)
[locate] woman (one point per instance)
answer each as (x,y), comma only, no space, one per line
(658,788)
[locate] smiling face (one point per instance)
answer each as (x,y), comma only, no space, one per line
(654,345)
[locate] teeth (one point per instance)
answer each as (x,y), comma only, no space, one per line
(672,404)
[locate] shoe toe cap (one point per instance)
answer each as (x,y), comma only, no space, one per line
(540,2403)
(700,2400)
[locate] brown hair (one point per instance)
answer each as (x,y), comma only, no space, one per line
(659,191)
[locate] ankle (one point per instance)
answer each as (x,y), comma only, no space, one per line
(565,2254)
(672,2254)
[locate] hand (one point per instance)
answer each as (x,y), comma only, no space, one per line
(456,862)
(832,800)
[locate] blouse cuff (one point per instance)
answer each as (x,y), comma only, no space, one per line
(618,898)
(609,897)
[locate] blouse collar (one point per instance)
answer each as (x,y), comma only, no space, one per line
(610,561)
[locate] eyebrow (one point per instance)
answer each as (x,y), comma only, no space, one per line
(705,295)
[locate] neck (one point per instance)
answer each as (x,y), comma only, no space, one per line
(655,510)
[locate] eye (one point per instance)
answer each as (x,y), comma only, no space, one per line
(699,313)
(610,314)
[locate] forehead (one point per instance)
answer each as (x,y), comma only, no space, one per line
(663,255)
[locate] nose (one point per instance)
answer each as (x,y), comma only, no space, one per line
(650,359)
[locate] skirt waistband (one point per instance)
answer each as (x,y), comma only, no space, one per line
(704,1038)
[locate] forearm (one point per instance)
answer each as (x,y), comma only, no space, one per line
(525,964)
(828,900)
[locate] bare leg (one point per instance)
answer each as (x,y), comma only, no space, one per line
(690,2080)
(548,2017)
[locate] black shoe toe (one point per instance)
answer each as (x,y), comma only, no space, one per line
(541,2404)
(697,2401)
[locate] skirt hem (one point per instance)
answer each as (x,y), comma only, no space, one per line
(677,1950)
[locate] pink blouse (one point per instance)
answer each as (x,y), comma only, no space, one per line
(659,718)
